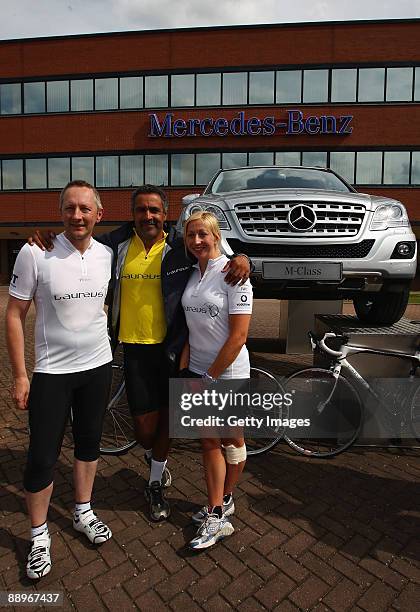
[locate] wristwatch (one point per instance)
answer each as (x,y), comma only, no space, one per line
(209,378)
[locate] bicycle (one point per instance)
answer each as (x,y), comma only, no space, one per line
(332,401)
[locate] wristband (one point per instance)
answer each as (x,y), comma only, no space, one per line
(209,378)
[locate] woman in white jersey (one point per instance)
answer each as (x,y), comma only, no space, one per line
(218,317)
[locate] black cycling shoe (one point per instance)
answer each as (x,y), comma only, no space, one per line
(159,507)
(166,477)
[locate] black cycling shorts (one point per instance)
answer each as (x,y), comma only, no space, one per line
(50,399)
(146,372)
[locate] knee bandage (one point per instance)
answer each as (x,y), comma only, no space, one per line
(234,454)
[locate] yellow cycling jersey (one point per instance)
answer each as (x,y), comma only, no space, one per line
(142,315)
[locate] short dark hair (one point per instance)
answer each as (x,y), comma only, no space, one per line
(80,183)
(149,189)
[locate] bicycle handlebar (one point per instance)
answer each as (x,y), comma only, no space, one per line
(320,343)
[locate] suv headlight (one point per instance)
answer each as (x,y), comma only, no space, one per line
(211,208)
(386,216)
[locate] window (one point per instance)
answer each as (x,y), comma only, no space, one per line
(371,84)
(107,171)
(289,86)
(415,168)
(207,164)
(260,159)
(156,169)
(131,170)
(261,87)
(369,168)
(314,158)
(342,162)
(81,94)
(58,172)
(288,158)
(82,168)
(57,96)
(234,160)
(396,167)
(131,92)
(234,88)
(36,173)
(34,97)
(12,174)
(10,99)
(315,85)
(343,85)
(208,89)
(399,84)
(417,84)
(106,94)
(156,89)
(182,169)
(182,90)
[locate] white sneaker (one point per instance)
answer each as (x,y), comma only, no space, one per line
(200,516)
(39,558)
(211,531)
(94,529)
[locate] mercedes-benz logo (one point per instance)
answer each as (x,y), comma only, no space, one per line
(301,218)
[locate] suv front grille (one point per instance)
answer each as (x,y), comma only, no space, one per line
(271,218)
(313,251)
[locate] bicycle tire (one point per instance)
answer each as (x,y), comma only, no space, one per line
(333,406)
(261,445)
(117,432)
(415,413)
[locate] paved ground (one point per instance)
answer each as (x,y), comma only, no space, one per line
(327,535)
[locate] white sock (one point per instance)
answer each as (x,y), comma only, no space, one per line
(148,453)
(156,471)
(36,531)
(79,508)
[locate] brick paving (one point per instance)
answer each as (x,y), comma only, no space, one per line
(325,535)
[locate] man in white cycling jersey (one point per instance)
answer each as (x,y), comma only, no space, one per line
(72,363)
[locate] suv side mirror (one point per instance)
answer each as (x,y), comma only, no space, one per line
(190,198)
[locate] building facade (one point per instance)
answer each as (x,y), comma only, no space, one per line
(170,107)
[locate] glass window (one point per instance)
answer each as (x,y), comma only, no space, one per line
(156,89)
(234,160)
(131,92)
(156,169)
(58,172)
(131,170)
(371,84)
(343,163)
(57,96)
(206,166)
(315,85)
(396,167)
(261,87)
(415,168)
(369,168)
(399,84)
(314,158)
(343,85)
(10,102)
(417,84)
(182,90)
(288,86)
(36,173)
(81,94)
(182,169)
(234,87)
(12,173)
(34,97)
(288,158)
(208,89)
(82,168)
(106,94)
(260,159)
(107,171)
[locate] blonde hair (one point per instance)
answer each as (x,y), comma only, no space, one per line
(208,219)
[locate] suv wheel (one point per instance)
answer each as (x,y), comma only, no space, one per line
(382,308)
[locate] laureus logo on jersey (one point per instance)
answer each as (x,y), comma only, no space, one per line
(210,309)
(79,295)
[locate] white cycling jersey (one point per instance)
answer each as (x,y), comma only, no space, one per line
(69,291)
(208,301)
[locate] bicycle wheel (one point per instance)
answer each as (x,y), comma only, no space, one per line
(333,408)
(415,413)
(117,432)
(263,381)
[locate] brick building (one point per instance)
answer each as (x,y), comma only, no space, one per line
(172,106)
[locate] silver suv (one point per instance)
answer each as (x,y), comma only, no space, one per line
(310,235)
